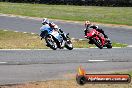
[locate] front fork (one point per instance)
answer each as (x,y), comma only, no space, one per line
(64,36)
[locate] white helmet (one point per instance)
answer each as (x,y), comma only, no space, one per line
(45,21)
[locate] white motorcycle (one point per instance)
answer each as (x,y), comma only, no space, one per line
(56,40)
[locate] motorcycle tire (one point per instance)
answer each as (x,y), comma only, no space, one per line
(51,43)
(69,45)
(97,43)
(109,46)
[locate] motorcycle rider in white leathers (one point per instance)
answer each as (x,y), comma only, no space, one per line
(51,26)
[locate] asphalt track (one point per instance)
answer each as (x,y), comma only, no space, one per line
(116,34)
(18,66)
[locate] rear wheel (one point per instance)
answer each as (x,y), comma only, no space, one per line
(98,43)
(51,43)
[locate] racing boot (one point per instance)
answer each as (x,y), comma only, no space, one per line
(41,38)
(106,37)
(90,42)
(62,44)
(85,36)
(47,45)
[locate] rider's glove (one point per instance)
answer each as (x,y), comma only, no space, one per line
(60,30)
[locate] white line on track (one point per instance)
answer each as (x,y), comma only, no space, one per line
(129,46)
(47,49)
(97,60)
(15,31)
(97,47)
(114,47)
(24,32)
(3,62)
(21,49)
(32,33)
(5,30)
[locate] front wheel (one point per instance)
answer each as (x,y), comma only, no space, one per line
(98,43)
(109,46)
(51,43)
(69,45)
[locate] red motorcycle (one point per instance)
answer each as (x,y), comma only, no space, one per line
(98,39)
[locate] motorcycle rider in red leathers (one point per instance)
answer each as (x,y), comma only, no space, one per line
(89,25)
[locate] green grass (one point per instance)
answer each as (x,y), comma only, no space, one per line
(130,73)
(84,44)
(125,72)
(112,15)
(13,40)
(18,40)
(119,44)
